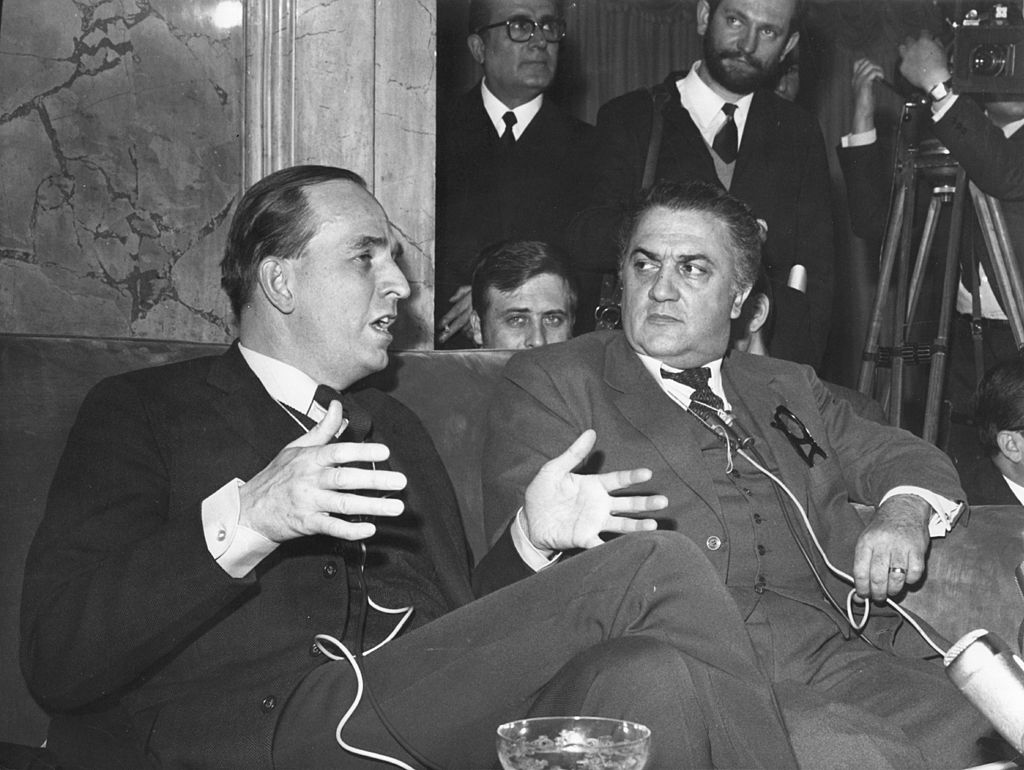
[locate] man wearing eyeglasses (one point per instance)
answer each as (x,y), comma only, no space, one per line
(511,164)
(711,426)
(722,123)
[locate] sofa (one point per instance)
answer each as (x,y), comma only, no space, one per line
(970,581)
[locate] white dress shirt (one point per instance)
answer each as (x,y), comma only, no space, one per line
(496,109)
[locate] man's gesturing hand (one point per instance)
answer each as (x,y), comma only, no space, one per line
(564,510)
(307,482)
(890,552)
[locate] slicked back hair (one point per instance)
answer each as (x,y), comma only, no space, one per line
(507,265)
(999,403)
(273,218)
(745,232)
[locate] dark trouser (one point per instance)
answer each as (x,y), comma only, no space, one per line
(640,628)
(849,705)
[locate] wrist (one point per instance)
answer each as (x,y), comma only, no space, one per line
(941,90)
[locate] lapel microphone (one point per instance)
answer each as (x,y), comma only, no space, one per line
(723,424)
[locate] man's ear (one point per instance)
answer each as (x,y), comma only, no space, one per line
(703,17)
(475,332)
(275,276)
(476,47)
(737,303)
(1010,445)
(761,306)
(794,38)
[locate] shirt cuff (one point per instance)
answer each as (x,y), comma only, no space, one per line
(861,139)
(939,109)
(235,547)
(528,552)
(945,512)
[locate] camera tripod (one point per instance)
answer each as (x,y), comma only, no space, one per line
(950,189)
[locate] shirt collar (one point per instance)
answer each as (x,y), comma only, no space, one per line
(1017,489)
(495,108)
(284,382)
(705,106)
(1011,128)
(676,390)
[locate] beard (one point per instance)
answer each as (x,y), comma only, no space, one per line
(737,81)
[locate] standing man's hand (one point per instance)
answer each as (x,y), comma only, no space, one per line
(308,483)
(924,62)
(865,73)
(458,315)
(565,510)
(890,552)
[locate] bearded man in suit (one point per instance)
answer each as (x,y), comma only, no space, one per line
(722,123)
(207,543)
(689,257)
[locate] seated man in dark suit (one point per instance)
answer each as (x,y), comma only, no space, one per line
(997,477)
(722,123)
(524,295)
(510,162)
(665,393)
(207,545)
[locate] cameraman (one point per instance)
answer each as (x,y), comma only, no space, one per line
(989,146)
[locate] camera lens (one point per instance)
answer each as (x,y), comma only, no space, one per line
(989,59)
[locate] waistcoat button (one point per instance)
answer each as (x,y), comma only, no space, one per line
(714,543)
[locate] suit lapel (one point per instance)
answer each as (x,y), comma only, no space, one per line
(682,142)
(673,433)
(754,396)
(754,147)
(248,408)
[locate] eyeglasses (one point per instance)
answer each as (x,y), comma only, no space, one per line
(798,435)
(521,28)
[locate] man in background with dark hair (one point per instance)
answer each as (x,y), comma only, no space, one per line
(998,477)
(723,124)
(524,295)
(207,544)
(511,164)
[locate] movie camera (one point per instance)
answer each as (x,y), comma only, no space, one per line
(988,50)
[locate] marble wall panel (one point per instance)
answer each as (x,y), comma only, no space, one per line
(120,160)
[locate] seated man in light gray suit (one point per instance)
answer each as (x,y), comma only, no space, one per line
(658,394)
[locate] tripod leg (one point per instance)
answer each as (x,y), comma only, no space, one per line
(1007,274)
(940,347)
(924,248)
(869,358)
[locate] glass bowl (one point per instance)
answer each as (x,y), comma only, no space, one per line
(573,743)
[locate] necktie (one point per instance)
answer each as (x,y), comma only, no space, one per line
(703,402)
(726,143)
(359,421)
(508,139)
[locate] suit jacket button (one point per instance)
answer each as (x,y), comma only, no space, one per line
(269,703)
(330,570)
(714,543)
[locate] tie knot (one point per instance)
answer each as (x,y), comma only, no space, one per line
(696,378)
(359,420)
(728,108)
(324,395)
(510,120)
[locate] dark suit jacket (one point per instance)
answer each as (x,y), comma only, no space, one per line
(549,396)
(130,628)
(484,196)
(983,482)
(781,173)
